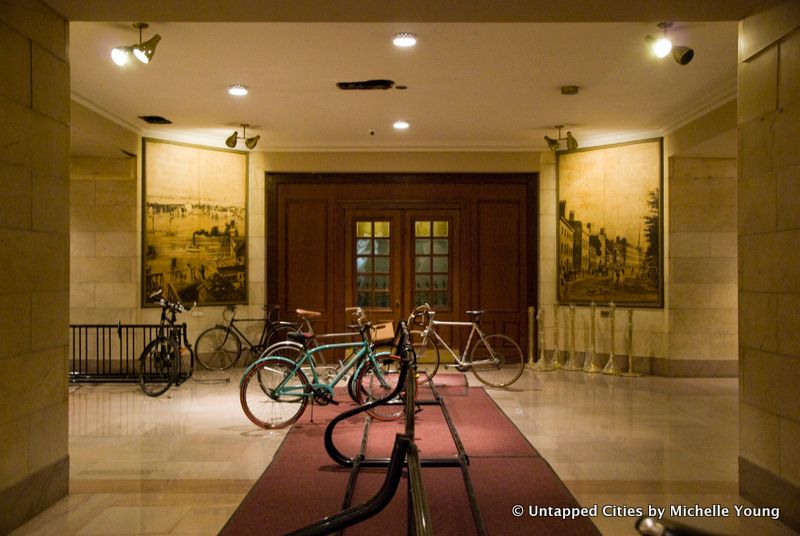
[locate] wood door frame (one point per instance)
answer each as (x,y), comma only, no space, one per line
(530,180)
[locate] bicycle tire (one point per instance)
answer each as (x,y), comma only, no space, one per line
(279,335)
(509,362)
(217,348)
(287,350)
(159,366)
(369,388)
(264,408)
(352,384)
(427,356)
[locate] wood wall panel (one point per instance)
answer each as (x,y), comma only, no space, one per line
(499,256)
(304,249)
(498,239)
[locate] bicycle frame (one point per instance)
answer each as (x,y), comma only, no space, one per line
(461,360)
(268,323)
(355,360)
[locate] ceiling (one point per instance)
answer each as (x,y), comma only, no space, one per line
(471,85)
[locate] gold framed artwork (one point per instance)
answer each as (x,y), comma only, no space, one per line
(194,223)
(610,224)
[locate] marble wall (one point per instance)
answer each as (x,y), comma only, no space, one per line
(104,244)
(769,280)
(34,259)
(703,289)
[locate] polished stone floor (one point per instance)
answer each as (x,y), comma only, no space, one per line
(181,463)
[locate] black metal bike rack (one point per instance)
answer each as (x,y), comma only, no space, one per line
(104,353)
(419,515)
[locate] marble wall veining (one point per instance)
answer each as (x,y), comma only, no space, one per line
(34,259)
(769,232)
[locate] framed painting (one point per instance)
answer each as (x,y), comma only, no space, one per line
(194,223)
(610,224)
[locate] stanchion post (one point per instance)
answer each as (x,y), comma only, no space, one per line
(611,367)
(630,372)
(572,363)
(541,364)
(589,364)
(556,363)
(531,335)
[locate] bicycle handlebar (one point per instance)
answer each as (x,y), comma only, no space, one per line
(177,307)
(358,312)
(420,312)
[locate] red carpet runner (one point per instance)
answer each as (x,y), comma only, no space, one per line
(302,484)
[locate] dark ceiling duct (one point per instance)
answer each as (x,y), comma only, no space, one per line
(366,84)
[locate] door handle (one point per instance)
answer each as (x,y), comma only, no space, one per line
(397,303)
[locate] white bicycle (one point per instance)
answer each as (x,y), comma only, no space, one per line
(495,359)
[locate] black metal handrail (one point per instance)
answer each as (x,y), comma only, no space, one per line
(404,452)
(378,502)
(651,526)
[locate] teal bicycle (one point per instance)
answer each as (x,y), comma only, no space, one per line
(275,390)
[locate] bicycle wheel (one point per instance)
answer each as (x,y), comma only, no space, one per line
(369,388)
(427,356)
(287,350)
(159,365)
(279,334)
(273,409)
(497,360)
(217,348)
(378,352)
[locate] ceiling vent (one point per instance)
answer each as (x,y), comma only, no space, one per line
(366,84)
(155,119)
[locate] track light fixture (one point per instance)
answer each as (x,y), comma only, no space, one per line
(142,52)
(250,143)
(662,46)
(555,144)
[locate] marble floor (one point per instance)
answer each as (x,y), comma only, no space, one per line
(181,463)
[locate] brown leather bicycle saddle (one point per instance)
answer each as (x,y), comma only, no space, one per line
(309,314)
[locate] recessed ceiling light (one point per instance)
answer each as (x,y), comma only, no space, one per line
(238,90)
(401,125)
(404,39)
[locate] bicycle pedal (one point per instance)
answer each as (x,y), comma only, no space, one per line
(417,408)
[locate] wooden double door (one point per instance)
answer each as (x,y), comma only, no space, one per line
(388,243)
(398,258)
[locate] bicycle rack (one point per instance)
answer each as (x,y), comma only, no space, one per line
(419,516)
(104,353)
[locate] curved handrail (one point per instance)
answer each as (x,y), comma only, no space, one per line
(335,454)
(651,526)
(367,509)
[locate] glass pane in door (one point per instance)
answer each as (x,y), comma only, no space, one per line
(432,263)
(372,263)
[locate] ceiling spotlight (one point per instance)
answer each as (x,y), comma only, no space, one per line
(143,51)
(250,143)
(555,144)
(662,46)
(404,39)
(682,55)
(121,55)
(401,125)
(238,90)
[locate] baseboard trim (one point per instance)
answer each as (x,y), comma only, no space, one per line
(764,488)
(695,368)
(30,496)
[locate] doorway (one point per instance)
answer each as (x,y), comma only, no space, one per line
(397,259)
(388,242)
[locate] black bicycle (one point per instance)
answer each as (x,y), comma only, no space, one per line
(218,348)
(160,362)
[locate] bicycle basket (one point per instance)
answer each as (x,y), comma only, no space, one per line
(383,332)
